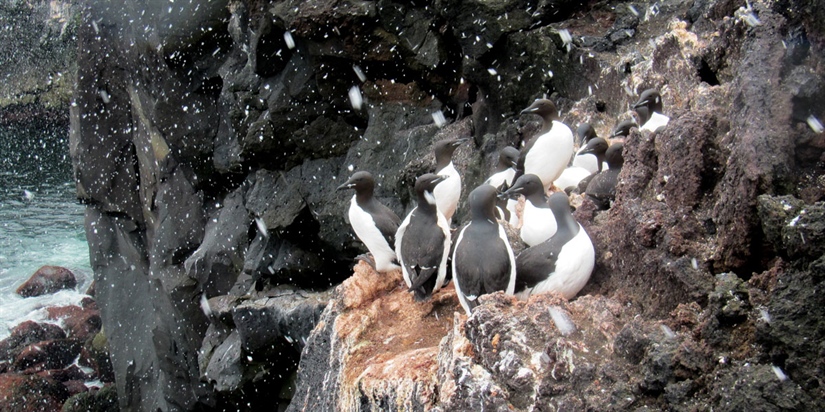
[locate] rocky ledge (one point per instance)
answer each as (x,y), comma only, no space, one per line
(376,349)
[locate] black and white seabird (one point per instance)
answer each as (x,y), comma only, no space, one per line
(373,223)
(538,223)
(547,154)
(649,109)
(622,130)
(505,169)
(597,148)
(422,242)
(502,179)
(562,264)
(448,193)
(602,187)
(483,260)
(586,133)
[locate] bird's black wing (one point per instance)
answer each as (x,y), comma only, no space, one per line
(536,263)
(385,220)
(422,249)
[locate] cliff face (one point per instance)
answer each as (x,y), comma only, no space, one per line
(37,56)
(208,140)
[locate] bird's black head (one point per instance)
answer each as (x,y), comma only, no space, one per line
(444,149)
(428,182)
(652,100)
(483,202)
(585,133)
(623,128)
(597,146)
(360,181)
(525,185)
(614,157)
(559,203)
(508,157)
(544,108)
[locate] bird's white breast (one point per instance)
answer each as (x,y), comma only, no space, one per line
(573,267)
(503,176)
(364,227)
(656,121)
(550,154)
(447,192)
(538,225)
(587,161)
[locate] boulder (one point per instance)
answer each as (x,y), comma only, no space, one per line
(27,333)
(80,323)
(49,354)
(30,393)
(46,280)
(95,400)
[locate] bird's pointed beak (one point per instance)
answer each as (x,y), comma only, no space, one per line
(460,141)
(640,103)
(530,109)
(346,185)
(511,192)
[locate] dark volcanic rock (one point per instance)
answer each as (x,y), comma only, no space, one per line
(47,279)
(25,334)
(101,400)
(49,354)
(30,393)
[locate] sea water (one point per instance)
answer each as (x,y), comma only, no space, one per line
(41,222)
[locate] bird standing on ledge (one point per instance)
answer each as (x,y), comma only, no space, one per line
(483,260)
(422,242)
(373,223)
(547,154)
(447,194)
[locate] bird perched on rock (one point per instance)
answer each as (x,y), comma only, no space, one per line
(373,223)
(585,133)
(563,263)
(574,175)
(422,242)
(649,109)
(483,260)
(447,194)
(602,187)
(597,148)
(502,179)
(538,223)
(622,130)
(548,153)
(505,169)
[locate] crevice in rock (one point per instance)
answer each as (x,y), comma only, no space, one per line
(271,51)
(706,74)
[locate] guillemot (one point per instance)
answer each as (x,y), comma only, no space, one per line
(502,179)
(447,194)
(538,223)
(649,109)
(483,260)
(622,130)
(373,223)
(548,153)
(422,242)
(602,187)
(572,177)
(563,263)
(585,133)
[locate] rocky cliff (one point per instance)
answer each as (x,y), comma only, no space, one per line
(208,140)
